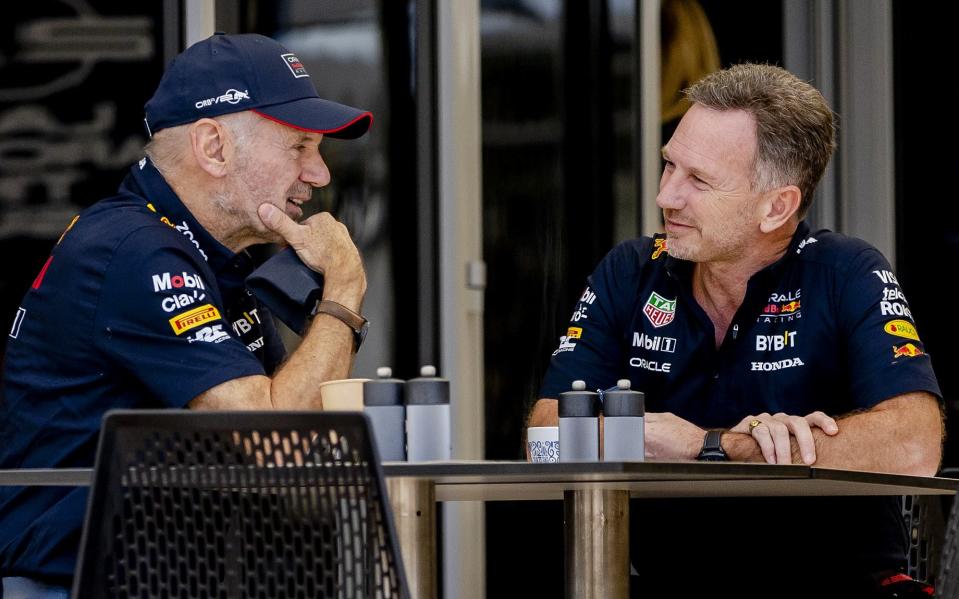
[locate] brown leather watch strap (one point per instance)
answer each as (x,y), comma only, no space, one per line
(356,322)
(349,317)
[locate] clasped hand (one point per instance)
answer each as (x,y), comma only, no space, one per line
(774,434)
(669,437)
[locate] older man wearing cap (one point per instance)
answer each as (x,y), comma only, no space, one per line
(142,303)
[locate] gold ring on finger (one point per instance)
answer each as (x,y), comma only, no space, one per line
(753,424)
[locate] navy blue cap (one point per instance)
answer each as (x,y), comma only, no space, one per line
(232,73)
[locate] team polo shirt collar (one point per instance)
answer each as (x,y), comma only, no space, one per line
(149,183)
(802,231)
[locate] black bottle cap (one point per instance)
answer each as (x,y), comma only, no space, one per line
(578,403)
(622,401)
(427,389)
(383,390)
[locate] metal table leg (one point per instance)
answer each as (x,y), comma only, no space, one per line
(597,544)
(414,512)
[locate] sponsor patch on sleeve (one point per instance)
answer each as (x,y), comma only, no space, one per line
(582,306)
(191,319)
(907,350)
(902,328)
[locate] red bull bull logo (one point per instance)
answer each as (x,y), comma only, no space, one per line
(790,307)
(906,350)
(787,308)
(659,246)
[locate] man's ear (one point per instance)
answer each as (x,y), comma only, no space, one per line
(778,206)
(208,139)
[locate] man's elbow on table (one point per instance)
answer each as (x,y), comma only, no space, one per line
(928,448)
(921,443)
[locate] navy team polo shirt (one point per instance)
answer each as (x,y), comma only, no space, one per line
(137,307)
(826,327)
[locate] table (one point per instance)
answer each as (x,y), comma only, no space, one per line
(596,497)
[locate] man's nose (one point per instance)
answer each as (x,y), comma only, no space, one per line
(670,193)
(315,172)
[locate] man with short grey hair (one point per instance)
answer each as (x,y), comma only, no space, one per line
(756,339)
(143,302)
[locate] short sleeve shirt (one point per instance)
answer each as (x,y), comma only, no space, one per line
(137,307)
(827,327)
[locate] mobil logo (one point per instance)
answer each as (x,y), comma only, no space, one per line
(167,281)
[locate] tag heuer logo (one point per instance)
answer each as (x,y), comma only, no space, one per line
(659,310)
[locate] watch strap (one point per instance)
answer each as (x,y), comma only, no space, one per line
(355,321)
(712,450)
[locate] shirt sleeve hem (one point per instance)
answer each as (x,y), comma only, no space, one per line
(203,384)
(882,395)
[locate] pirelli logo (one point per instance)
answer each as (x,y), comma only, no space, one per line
(194,318)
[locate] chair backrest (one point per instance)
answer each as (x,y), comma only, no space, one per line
(947,578)
(925,524)
(238,504)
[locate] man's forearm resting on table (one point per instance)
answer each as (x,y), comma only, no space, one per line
(901,435)
(325,353)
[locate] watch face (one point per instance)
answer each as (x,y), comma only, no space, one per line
(360,335)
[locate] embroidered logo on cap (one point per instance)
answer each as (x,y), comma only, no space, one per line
(296,67)
(230,96)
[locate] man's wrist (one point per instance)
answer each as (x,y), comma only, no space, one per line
(712,450)
(349,296)
(741,447)
(353,320)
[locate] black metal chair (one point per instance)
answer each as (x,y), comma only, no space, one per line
(238,504)
(947,576)
(925,524)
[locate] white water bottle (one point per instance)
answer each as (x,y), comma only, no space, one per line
(383,403)
(579,424)
(428,417)
(623,424)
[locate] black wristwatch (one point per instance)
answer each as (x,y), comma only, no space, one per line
(356,322)
(712,450)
